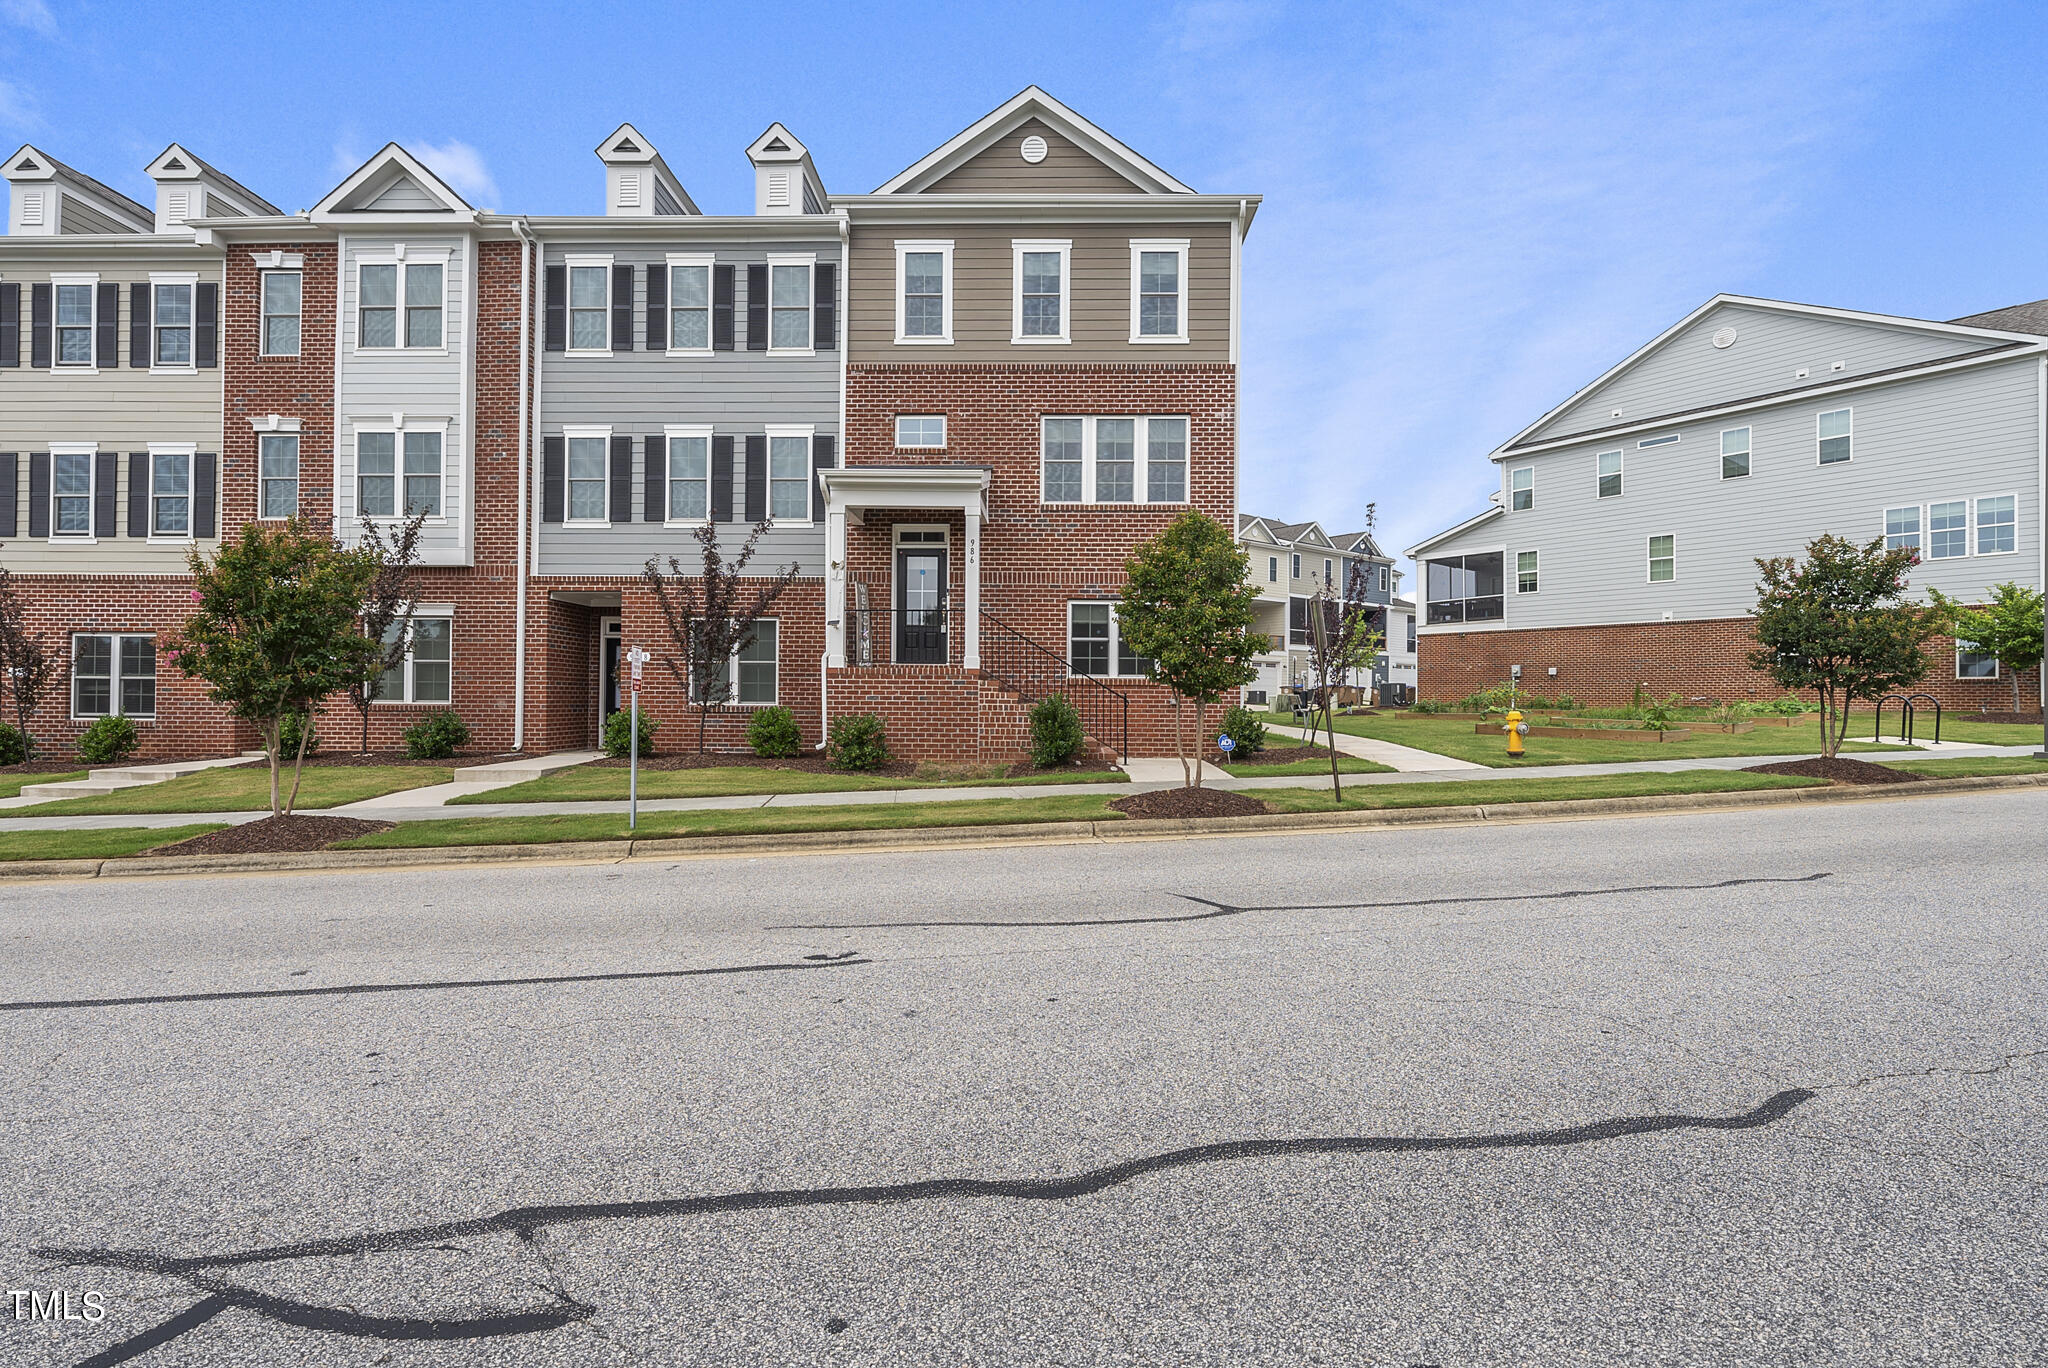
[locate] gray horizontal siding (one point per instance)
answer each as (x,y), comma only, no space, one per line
(1956,436)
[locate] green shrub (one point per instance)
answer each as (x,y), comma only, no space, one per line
(436,736)
(621,722)
(1249,733)
(1662,715)
(13,746)
(1791,705)
(1566,703)
(1434,705)
(1056,735)
(288,735)
(773,734)
(108,741)
(857,742)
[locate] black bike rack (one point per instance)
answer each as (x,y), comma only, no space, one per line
(1907,712)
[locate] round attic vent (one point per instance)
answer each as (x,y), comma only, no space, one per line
(1033,149)
(1724,339)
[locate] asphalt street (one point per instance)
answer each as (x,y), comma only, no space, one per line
(1753,1087)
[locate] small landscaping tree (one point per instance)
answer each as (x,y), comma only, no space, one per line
(1189,606)
(273,631)
(388,604)
(710,614)
(27,665)
(1839,622)
(1341,638)
(2008,627)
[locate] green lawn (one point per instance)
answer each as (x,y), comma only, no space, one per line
(1464,792)
(1456,737)
(12,784)
(1346,764)
(1954,727)
(246,788)
(1972,767)
(94,845)
(588,783)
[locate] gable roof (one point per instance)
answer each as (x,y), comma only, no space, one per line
(1491,512)
(393,184)
(2026,318)
(1361,542)
(629,144)
(1032,103)
(167,164)
(30,162)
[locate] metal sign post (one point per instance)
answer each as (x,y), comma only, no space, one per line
(636,658)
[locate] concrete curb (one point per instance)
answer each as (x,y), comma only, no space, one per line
(1019,833)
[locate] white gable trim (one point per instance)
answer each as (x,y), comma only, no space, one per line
(1031,102)
(331,210)
(1466,526)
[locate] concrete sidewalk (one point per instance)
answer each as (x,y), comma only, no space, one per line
(1405,759)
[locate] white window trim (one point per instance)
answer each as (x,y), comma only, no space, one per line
(1884,519)
(709,261)
(732,675)
(1621,474)
(1997,665)
(91,279)
(603,433)
(1018,247)
(772,431)
(1272,569)
(431,612)
(1294,565)
(403,258)
(1530,471)
(1516,571)
(587,261)
(670,433)
(1748,451)
(293,433)
(1116,642)
(940,445)
(190,452)
(397,425)
(944,247)
(1927,529)
(1141,439)
(114,680)
(1977,525)
(809,261)
(190,280)
(1178,246)
(1649,557)
(92,495)
(1668,439)
(1850,434)
(293,265)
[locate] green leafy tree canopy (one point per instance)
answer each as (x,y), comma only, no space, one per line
(2008,627)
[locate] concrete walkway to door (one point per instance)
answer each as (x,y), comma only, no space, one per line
(1405,759)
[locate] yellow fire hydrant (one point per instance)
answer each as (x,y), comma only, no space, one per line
(1516,729)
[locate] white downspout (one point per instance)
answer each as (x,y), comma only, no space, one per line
(526,248)
(845,451)
(2041,524)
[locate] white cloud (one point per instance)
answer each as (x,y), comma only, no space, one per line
(17,106)
(462,166)
(29,14)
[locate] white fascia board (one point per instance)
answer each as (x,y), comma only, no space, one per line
(1466,526)
(1025,104)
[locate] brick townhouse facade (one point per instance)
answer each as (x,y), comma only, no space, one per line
(959,402)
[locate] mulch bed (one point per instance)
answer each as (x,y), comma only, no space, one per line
(2009,718)
(1024,769)
(814,762)
(1189,802)
(45,767)
(1841,770)
(1280,755)
(274,834)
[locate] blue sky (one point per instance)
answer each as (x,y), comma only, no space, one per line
(1471,209)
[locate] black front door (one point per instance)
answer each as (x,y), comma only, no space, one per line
(921,607)
(608,680)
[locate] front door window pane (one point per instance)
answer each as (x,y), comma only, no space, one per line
(1115,459)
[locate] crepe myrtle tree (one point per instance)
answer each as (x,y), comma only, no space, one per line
(1341,639)
(273,630)
(387,605)
(27,664)
(2008,627)
(1839,622)
(1188,605)
(710,612)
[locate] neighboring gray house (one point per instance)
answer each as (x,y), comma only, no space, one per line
(1620,549)
(1288,563)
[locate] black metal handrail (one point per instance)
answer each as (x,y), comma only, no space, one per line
(1034,673)
(871,633)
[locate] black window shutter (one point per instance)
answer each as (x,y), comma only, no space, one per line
(206,325)
(721,308)
(757,307)
(203,486)
(10,490)
(757,477)
(657,307)
(10,323)
(39,326)
(822,458)
(557,310)
(138,325)
(107,346)
(721,479)
(554,473)
(620,486)
(138,493)
(39,494)
(622,308)
(106,467)
(825,307)
(654,476)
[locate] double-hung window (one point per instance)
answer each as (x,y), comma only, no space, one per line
(1995,526)
(789,305)
(1329,573)
(71,479)
(170,324)
(1411,634)
(689,475)
(377,474)
(789,475)
(74,324)
(390,463)
(1159,273)
(279,476)
(1095,643)
(170,492)
(589,475)
(1902,528)
(1663,559)
(1525,572)
(924,292)
(1948,529)
(590,306)
(1294,568)
(1608,470)
(1097,460)
(1272,569)
(423,473)
(1972,663)
(747,676)
(380,288)
(1833,432)
(1383,580)
(689,304)
(1734,453)
(425,674)
(1522,488)
(283,302)
(921,430)
(1040,305)
(113,672)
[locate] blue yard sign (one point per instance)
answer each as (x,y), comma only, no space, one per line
(1225,744)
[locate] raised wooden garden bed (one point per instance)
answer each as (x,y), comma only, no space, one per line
(1588,733)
